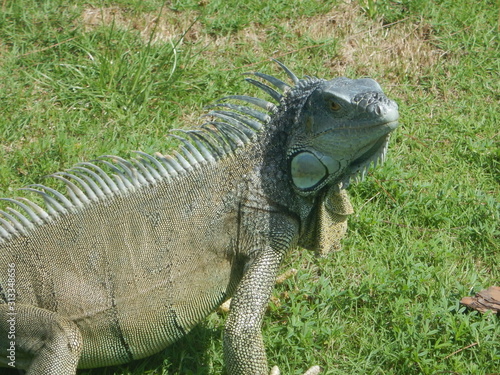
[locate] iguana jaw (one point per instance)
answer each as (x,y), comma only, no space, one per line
(355,166)
(375,153)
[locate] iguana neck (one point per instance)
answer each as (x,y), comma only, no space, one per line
(274,143)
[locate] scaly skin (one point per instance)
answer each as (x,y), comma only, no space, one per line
(137,252)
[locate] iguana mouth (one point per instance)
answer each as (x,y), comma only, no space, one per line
(391,125)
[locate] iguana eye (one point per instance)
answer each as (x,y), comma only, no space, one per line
(334,106)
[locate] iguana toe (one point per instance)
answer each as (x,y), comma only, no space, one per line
(315,370)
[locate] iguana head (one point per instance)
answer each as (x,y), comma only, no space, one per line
(341,129)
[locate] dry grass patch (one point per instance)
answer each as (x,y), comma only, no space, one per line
(168,26)
(157,27)
(368,46)
(364,47)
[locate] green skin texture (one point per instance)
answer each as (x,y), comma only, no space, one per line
(126,275)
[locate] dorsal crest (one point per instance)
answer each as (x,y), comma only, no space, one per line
(232,123)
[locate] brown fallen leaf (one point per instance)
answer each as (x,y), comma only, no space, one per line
(485,300)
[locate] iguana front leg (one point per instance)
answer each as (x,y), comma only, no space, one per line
(243,345)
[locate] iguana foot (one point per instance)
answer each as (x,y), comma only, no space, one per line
(315,370)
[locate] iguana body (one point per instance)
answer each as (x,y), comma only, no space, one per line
(130,260)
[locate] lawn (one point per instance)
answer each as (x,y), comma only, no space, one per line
(84,79)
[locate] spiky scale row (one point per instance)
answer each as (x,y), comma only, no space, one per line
(231,127)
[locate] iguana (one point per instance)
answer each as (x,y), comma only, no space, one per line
(137,252)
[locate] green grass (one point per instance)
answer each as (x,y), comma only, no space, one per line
(426,228)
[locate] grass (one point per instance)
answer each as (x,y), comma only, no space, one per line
(100,77)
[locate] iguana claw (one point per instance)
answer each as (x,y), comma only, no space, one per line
(315,370)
